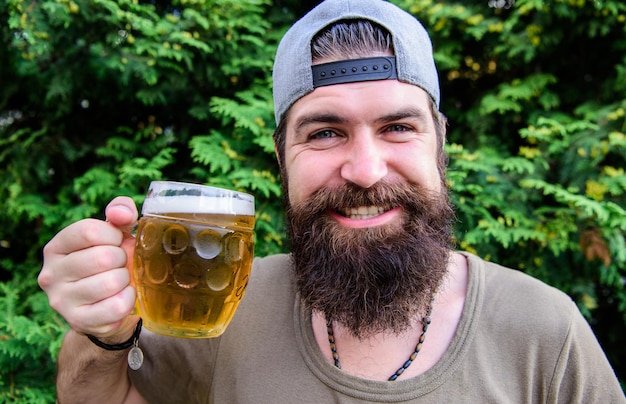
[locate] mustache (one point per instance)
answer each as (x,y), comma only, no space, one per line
(412,197)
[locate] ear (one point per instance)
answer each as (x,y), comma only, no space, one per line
(444,127)
(277,157)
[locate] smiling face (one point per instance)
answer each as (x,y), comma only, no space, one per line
(362,168)
(368,215)
(361,133)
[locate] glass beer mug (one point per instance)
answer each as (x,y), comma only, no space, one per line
(193,254)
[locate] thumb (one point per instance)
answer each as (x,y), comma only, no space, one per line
(122,213)
(128,245)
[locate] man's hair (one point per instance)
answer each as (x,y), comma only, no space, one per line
(352,39)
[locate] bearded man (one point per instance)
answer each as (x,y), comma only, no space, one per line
(373,304)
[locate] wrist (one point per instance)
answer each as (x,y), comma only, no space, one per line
(110,345)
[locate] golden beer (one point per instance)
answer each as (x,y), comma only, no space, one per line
(191,268)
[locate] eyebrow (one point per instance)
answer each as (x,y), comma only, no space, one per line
(407,113)
(333,118)
(326,117)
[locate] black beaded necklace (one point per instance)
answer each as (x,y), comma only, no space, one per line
(425,323)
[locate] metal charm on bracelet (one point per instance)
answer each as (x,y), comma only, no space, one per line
(135,355)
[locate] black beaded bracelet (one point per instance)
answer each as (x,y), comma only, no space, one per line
(119,347)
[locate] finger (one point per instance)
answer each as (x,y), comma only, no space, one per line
(88,262)
(98,287)
(84,277)
(106,317)
(65,297)
(59,270)
(83,234)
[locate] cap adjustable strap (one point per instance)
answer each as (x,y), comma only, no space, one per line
(353,70)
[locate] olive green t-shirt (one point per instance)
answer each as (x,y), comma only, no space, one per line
(518,341)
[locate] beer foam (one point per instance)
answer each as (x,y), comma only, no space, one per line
(234,205)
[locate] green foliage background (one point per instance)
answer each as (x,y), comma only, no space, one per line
(99,97)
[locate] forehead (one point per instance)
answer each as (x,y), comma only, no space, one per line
(361,101)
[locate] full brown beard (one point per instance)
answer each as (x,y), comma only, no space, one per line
(371,279)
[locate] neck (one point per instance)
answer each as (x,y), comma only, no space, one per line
(378,356)
(375,357)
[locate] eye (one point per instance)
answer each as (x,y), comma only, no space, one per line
(399,132)
(323,134)
(396,127)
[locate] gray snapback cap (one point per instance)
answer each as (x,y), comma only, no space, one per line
(293,75)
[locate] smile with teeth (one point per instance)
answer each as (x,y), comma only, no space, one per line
(363,212)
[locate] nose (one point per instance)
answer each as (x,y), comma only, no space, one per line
(365,163)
